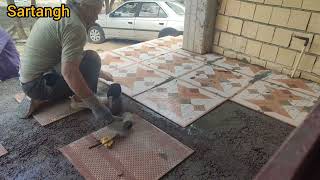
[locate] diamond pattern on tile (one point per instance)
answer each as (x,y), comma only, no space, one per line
(218,80)
(169,42)
(179,101)
(281,103)
(140,52)
(146,153)
(137,78)
(173,64)
(3,151)
(300,85)
(239,66)
(110,61)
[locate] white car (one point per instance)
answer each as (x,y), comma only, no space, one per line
(140,20)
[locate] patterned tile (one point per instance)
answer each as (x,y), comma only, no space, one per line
(3,151)
(147,153)
(218,80)
(300,85)
(239,66)
(179,101)
(111,61)
(281,103)
(173,64)
(140,52)
(169,42)
(206,57)
(137,78)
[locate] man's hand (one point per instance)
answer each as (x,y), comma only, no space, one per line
(99,110)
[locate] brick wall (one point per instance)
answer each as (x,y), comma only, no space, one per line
(260,31)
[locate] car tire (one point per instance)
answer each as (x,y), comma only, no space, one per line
(168,32)
(96,35)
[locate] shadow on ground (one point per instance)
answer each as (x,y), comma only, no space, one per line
(231,142)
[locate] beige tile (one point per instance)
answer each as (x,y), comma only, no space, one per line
(314,25)
(273,2)
(280,16)
(274,66)
(217,49)
(310,76)
(253,48)
(282,37)
(263,13)
(232,8)
(250,29)
(223,6)
(258,61)
(298,44)
(226,40)
(306,63)
(288,71)
(292,3)
(222,22)
(299,19)
(315,46)
(239,44)
(265,33)
(286,57)
(235,26)
(311,5)
(269,52)
(260,1)
(230,54)
(316,67)
(247,10)
(216,38)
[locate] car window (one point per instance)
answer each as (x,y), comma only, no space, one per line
(151,10)
(126,10)
(176,8)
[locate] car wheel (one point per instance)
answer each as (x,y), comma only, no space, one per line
(96,35)
(168,32)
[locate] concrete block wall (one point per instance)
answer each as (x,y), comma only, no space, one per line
(261,32)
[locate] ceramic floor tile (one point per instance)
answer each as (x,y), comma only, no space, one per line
(110,60)
(169,42)
(140,52)
(179,101)
(137,78)
(300,85)
(239,66)
(281,103)
(146,153)
(3,151)
(173,64)
(206,57)
(218,80)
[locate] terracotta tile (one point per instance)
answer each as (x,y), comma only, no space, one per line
(147,153)
(173,64)
(239,66)
(3,151)
(281,103)
(304,86)
(224,82)
(179,101)
(140,52)
(110,60)
(169,42)
(137,78)
(191,55)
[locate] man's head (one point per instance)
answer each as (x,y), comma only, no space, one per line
(88,10)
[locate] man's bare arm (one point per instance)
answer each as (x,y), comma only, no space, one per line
(72,75)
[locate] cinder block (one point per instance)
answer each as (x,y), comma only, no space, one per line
(286,57)
(310,76)
(316,67)
(232,8)
(223,6)
(273,2)
(292,3)
(263,13)
(311,5)
(247,10)
(222,22)
(235,26)
(314,24)
(298,44)
(230,54)
(239,44)
(299,19)
(218,50)
(306,63)
(258,62)
(269,52)
(282,37)
(288,71)
(315,46)
(243,57)
(280,16)
(226,40)
(265,33)
(216,38)
(274,66)
(249,29)
(253,48)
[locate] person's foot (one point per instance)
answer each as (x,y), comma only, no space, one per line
(28,106)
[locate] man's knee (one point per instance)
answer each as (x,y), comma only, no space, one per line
(93,58)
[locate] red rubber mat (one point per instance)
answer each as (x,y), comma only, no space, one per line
(147,153)
(3,151)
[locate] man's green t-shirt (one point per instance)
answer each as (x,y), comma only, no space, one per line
(50,43)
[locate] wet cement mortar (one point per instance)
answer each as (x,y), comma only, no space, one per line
(230,142)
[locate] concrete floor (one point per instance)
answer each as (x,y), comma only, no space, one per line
(231,142)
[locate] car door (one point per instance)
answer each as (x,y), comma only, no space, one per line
(120,22)
(150,20)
